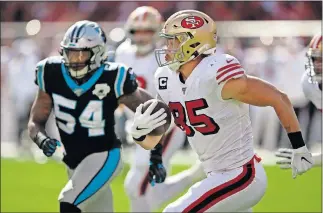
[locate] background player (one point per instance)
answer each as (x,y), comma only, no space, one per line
(208,96)
(142,27)
(312,88)
(84,90)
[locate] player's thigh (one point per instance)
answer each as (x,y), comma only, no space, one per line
(91,178)
(104,203)
(232,191)
(245,199)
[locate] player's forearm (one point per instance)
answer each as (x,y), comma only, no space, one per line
(286,114)
(39,114)
(149,142)
(133,100)
(36,131)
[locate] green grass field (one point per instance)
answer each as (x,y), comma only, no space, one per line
(31,187)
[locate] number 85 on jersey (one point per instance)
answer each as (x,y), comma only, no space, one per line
(201,123)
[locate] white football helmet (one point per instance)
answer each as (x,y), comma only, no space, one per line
(313,65)
(83,48)
(144,18)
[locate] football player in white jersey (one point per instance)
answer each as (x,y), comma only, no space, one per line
(209,95)
(312,88)
(142,27)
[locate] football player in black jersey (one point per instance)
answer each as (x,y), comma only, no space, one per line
(84,89)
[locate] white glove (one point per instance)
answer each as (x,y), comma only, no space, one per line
(144,123)
(286,154)
(301,161)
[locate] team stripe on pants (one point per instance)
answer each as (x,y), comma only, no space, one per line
(224,190)
(102,176)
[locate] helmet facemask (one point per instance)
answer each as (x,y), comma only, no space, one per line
(77,61)
(178,51)
(313,65)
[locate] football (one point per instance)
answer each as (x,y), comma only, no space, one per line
(162,129)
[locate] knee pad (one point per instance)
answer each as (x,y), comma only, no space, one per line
(68,208)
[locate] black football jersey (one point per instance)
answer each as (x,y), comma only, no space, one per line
(85,113)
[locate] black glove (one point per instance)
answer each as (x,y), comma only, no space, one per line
(48,146)
(157,171)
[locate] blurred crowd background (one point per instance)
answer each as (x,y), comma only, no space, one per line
(279,61)
(119,11)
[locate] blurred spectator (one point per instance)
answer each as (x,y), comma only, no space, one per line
(20,75)
(119,10)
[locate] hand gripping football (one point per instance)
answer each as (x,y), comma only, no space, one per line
(162,129)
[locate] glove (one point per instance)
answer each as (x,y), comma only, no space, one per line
(301,161)
(157,172)
(286,154)
(48,146)
(144,123)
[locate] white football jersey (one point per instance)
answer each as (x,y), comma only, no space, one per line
(312,91)
(144,66)
(218,130)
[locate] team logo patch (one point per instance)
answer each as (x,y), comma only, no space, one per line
(192,22)
(162,82)
(101,90)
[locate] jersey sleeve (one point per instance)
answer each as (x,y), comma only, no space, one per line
(125,82)
(40,76)
(230,69)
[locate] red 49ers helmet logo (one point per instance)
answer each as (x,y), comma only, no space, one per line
(192,22)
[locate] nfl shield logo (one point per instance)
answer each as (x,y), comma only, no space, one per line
(184,90)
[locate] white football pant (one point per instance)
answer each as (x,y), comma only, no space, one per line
(144,197)
(237,190)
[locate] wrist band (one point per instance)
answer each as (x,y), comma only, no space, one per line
(296,139)
(40,138)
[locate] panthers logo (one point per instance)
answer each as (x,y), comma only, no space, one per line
(192,22)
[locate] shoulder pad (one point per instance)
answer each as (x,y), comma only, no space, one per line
(112,66)
(40,73)
(49,60)
(163,71)
(54,60)
(226,67)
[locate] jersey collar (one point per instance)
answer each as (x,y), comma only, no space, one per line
(81,89)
